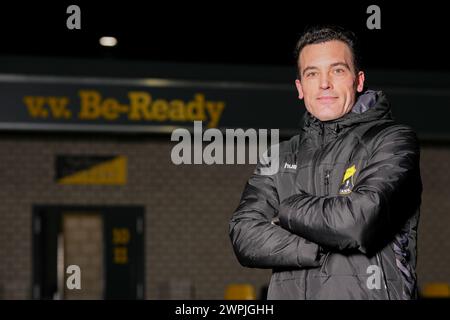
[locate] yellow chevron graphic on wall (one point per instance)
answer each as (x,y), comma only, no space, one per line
(111,172)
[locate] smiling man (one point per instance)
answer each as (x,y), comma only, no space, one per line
(329,79)
(339,219)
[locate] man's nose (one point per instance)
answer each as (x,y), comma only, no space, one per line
(325,82)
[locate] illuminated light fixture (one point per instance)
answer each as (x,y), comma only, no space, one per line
(108,41)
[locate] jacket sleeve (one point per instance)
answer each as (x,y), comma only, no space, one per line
(259,243)
(384,197)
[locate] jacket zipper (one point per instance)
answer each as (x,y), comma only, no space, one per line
(316,157)
(327,182)
(327,191)
(314,163)
(383,274)
(323,135)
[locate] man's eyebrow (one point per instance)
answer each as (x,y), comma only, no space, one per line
(343,64)
(309,68)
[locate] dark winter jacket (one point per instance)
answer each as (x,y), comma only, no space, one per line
(339,219)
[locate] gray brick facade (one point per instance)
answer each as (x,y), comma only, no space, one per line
(187,210)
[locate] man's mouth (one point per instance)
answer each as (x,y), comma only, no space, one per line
(327,98)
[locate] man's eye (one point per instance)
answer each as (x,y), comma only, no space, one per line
(339,70)
(311,74)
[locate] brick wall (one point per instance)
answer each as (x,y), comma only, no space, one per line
(83,246)
(434,228)
(187,211)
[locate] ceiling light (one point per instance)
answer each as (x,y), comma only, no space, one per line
(108,41)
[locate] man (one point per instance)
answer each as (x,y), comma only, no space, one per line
(339,218)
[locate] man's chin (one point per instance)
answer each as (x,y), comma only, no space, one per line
(328,116)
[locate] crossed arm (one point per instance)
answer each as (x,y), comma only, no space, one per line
(385,196)
(362,220)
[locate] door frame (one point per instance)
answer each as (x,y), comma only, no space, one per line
(58,210)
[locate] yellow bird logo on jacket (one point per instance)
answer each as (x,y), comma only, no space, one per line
(347,182)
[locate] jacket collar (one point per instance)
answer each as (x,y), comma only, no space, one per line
(370,105)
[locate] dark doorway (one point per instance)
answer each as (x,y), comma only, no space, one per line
(107,243)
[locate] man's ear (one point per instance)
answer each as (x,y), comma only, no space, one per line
(298,84)
(360,77)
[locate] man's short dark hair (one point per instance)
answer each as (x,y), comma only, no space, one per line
(320,34)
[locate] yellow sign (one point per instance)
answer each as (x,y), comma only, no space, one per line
(120,255)
(140,107)
(111,172)
(121,237)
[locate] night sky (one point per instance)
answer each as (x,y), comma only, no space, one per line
(412,36)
